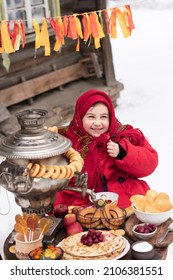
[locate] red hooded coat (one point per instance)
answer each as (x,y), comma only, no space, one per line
(120,175)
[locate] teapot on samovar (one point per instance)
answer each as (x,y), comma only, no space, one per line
(34,146)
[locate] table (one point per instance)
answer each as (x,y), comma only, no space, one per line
(160,253)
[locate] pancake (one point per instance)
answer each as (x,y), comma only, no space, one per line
(110,248)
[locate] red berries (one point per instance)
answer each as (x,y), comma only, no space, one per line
(146,228)
(92,237)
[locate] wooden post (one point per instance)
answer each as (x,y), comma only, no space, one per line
(58,8)
(109,72)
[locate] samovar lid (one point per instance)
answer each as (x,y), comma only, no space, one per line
(32,141)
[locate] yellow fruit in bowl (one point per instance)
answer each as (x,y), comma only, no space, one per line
(139,201)
(162,204)
(151,209)
(152,202)
(151,195)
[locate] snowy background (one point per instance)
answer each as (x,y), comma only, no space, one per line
(143,63)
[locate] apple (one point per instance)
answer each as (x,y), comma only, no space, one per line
(74,228)
(69,219)
(60,210)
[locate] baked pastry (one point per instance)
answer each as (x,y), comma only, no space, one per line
(109,248)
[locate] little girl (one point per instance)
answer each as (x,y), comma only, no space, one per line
(115,155)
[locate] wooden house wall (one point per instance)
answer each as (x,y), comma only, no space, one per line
(33,73)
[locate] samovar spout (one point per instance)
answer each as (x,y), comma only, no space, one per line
(82,181)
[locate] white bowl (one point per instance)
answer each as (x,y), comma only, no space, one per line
(142,250)
(111,196)
(152,218)
(143,236)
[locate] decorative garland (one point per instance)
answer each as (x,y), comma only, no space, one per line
(85,26)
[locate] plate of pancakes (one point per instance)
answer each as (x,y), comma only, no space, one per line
(112,247)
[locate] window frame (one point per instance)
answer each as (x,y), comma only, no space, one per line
(27,7)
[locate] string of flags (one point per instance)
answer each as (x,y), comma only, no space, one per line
(88,27)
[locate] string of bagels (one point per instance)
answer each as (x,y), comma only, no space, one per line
(39,170)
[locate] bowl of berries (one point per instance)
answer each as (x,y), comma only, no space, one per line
(144,231)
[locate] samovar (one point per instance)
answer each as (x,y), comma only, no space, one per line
(34,142)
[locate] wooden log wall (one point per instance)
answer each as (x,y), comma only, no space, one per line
(32,74)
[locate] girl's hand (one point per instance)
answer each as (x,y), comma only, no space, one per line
(113,149)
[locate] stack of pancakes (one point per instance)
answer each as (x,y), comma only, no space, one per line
(110,248)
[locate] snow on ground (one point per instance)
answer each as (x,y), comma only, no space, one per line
(143,63)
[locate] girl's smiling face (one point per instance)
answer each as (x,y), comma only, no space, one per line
(96,120)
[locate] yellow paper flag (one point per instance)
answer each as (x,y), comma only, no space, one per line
(5,37)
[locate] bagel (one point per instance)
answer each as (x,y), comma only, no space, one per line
(49,170)
(41,171)
(91,224)
(112,215)
(70,152)
(110,211)
(90,221)
(100,226)
(56,172)
(72,169)
(62,172)
(30,164)
(106,222)
(68,171)
(34,170)
(77,165)
(89,217)
(75,158)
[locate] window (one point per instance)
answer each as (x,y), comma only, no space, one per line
(26,10)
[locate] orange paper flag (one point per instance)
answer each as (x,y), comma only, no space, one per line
(65,25)
(75,29)
(37,33)
(86,27)
(23,33)
(95,26)
(72,31)
(57,26)
(5,38)
(128,17)
(122,22)
(61,30)
(44,37)
(14,33)
(19,36)
(96,29)
(79,32)
(78,27)
(113,23)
